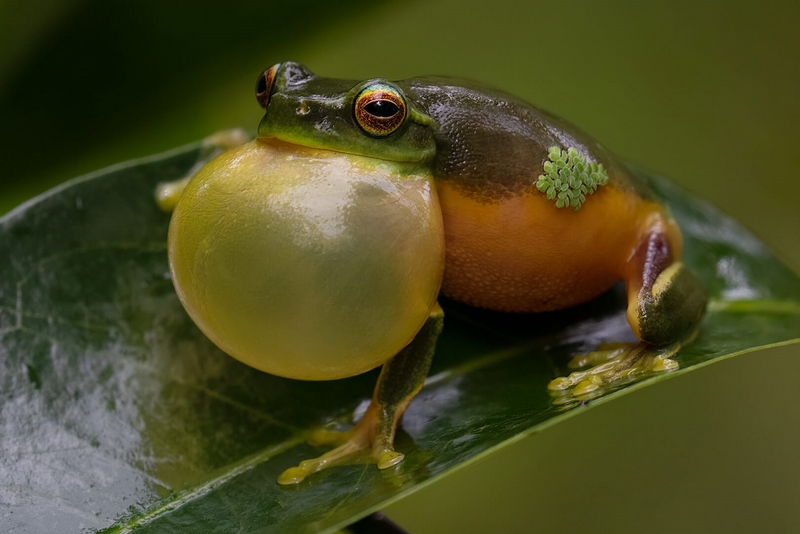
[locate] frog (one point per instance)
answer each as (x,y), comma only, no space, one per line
(513,209)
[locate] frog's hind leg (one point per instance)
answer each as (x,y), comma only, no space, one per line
(371,440)
(167,194)
(666,302)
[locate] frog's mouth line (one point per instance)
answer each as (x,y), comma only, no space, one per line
(278,140)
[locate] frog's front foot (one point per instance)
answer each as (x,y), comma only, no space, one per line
(363,444)
(372,439)
(613,365)
(167,194)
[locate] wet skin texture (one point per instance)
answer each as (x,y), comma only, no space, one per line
(497,241)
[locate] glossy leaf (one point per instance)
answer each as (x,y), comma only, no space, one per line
(116,413)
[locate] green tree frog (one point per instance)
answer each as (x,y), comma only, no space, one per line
(317,251)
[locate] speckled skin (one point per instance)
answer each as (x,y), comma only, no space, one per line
(507,247)
(522,254)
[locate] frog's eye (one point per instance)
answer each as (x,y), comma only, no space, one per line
(264,85)
(379,110)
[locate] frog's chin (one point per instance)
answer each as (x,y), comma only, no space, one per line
(312,147)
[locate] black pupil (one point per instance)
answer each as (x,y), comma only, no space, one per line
(382,108)
(262,84)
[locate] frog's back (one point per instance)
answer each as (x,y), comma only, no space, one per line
(509,247)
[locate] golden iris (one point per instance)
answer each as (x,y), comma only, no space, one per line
(379,110)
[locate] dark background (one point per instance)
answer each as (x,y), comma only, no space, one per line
(704,92)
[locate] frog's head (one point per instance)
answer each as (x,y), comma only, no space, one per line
(371,118)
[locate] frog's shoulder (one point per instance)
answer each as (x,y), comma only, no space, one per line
(492,145)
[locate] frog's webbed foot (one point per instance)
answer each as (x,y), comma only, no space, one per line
(665,306)
(371,440)
(363,444)
(167,194)
(613,365)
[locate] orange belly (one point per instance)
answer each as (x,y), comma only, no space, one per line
(524,254)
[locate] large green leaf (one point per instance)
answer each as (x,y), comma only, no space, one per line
(117,413)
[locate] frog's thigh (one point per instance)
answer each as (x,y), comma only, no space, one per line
(665,299)
(372,439)
(665,305)
(167,194)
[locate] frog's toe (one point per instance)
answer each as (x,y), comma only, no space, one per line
(389,458)
(167,194)
(351,452)
(227,139)
(603,353)
(333,438)
(293,475)
(613,365)
(371,440)
(365,443)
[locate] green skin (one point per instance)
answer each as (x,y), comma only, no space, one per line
(461,133)
(455,129)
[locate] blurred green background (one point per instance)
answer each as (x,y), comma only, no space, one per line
(704,92)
